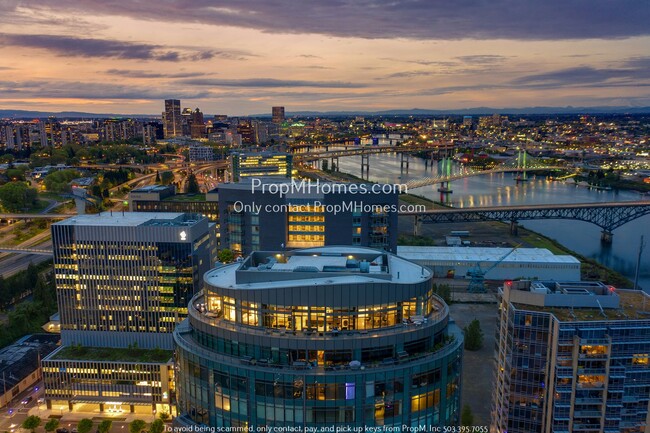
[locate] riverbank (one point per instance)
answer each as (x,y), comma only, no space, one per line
(483,234)
(497,233)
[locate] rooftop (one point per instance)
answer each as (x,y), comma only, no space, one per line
(185,197)
(584,304)
(131,219)
(482,254)
(151,188)
(112,354)
(321,266)
(21,358)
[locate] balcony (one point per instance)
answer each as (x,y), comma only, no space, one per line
(439,314)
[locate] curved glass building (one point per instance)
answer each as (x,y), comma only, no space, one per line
(330,336)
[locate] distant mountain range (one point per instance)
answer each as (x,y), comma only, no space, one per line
(26,114)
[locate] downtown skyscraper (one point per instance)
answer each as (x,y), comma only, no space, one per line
(172,120)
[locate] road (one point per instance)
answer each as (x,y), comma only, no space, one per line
(12,417)
(11,264)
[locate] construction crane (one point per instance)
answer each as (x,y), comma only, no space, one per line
(477,275)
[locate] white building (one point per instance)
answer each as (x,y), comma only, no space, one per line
(529,263)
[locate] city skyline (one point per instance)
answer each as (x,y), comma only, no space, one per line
(366,56)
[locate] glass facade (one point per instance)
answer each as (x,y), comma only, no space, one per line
(137,286)
(306,224)
(273,348)
(573,370)
(261,164)
(109,382)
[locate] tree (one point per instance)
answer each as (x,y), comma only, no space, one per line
(192,184)
(52,425)
(466,416)
(473,335)
(158,426)
(105,426)
(444,291)
(137,425)
(59,181)
(31,422)
(16,196)
(225,256)
(85,425)
(164,416)
(166,177)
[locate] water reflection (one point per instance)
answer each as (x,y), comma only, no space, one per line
(502,189)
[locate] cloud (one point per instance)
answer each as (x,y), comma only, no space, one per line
(482,59)
(132,73)
(413,19)
(85,47)
(408,74)
(269,82)
(90,90)
(589,75)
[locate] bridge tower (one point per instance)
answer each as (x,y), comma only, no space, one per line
(445,171)
(521,165)
(365,165)
(404,162)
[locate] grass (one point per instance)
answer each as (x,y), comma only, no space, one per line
(417,200)
(53,196)
(28,231)
(589,268)
(419,241)
(114,354)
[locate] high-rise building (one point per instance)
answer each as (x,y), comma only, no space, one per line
(123,282)
(117,130)
(572,357)
(255,218)
(197,126)
(277,114)
(172,120)
(127,277)
(249,164)
(245,129)
(337,336)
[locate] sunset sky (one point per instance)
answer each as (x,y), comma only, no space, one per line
(242,57)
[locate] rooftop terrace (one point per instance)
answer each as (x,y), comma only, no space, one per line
(633,305)
(323,266)
(112,354)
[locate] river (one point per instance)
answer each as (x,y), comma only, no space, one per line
(502,190)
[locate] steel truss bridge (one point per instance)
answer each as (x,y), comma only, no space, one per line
(607,216)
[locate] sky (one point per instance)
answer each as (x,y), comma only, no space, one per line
(241,57)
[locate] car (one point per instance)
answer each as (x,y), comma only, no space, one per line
(27,400)
(62,430)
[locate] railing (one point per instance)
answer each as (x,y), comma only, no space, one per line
(432,319)
(184,330)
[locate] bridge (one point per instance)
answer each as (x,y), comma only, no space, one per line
(607,216)
(35,251)
(30,216)
(370,150)
(467,172)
